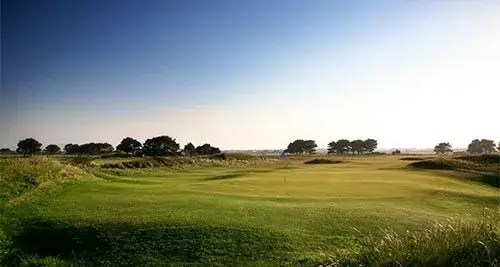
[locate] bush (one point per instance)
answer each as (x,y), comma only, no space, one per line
(455,243)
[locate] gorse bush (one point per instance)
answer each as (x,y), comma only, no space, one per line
(455,243)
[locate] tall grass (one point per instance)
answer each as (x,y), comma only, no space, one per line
(18,175)
(454,243)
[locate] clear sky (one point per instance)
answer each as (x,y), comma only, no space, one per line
(250,74)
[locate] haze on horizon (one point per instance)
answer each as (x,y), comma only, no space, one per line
(250,74)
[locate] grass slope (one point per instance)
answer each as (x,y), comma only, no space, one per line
(274,213)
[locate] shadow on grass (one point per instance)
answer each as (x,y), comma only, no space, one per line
(323,161)
(129,244)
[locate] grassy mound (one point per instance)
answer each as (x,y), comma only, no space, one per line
(19,175)
(484,159)
(322,161)
(484,172)
(178,162)
(455,243)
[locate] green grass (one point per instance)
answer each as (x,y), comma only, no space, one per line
(270,213)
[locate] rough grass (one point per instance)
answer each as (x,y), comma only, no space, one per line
(227,160)
(18,175)
(485,159)
(450,243)
(477,168)
(21,176)
(259,214)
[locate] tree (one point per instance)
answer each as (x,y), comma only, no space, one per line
(95,149)
(207,149)
(160,146)
(71,149)
(189,149)
(370,145)
(357,146)
(487,146)
(300,146)
(443,148)
(481,146)
(129,145)
(52,149)
(342,146)
(396,152)
(475,147)
(29,146)
(332,147)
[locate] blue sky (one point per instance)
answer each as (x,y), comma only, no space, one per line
(250,74)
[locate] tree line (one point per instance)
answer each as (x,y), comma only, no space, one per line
(167,146)
(476,146)
(342,146)
(156,146)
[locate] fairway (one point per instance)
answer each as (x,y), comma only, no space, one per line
(278,213)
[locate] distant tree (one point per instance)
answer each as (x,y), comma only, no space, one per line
(71,149)
(396,152)
(309,146)
(189,149)
(342,146)
(160,146)
(357,146)
(5,151)
(52,149)
(370,145)
(487,146)
(475,147)
(207,149)
(498,146)
(95,149)
(332,147)
(443,148)
(300,146)
(29,146)
(481,146)
(129,145)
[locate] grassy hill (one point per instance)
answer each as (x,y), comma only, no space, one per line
(265,212)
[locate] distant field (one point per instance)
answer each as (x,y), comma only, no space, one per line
(272,213)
